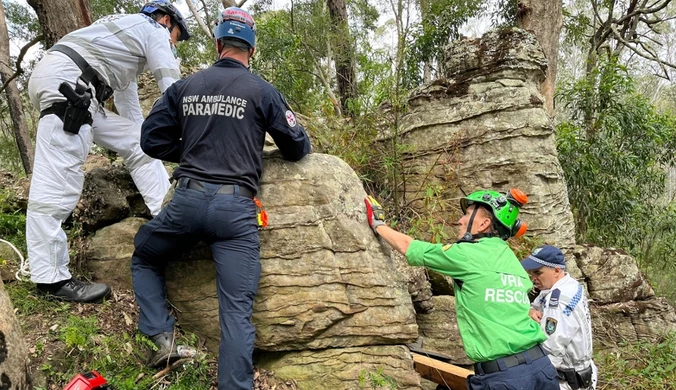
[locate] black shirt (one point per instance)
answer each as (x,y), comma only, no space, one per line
(213,123)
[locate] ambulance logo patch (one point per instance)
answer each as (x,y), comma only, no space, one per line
(290,118)
(550,326)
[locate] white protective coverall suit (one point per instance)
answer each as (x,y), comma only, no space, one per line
(119,48)
(567,323)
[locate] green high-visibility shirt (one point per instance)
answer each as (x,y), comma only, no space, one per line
(491,295)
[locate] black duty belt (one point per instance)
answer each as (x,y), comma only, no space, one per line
(508,361)
(89,74)
(227,189)
(59,109)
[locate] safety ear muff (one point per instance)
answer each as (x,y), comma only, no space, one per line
(519,228)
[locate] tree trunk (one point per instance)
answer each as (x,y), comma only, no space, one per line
(56,20)
(344,54)
(545,19)
(20,130)
(13,352)
(424,15)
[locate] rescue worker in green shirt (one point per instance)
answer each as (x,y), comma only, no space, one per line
(491,290)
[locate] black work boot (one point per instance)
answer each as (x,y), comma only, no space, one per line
(75,290)
(166,352)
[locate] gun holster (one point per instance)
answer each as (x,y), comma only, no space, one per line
(576,379)
(77,104)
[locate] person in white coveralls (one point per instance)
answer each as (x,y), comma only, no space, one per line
(69,86)
(562,310)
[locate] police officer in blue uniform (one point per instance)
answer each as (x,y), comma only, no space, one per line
(213,123)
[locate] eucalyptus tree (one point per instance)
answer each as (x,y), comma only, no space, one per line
(59,17)
(545,19)
(15,105)
(344,56)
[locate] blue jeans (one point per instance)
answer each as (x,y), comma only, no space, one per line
(539,374)
(228,224)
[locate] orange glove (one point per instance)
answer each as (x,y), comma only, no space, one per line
(374,213)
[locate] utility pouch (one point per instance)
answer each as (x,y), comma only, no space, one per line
(77,109)
(570,376)
(585,377)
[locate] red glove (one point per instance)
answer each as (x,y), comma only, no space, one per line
(374,213)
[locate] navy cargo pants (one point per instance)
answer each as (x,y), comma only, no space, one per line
(538,374)
(228,224)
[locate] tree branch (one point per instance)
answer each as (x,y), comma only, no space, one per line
(198,18)
(644,11)
(19,59)
(650,56)
(206,12)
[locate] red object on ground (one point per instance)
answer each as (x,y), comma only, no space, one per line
(91,380)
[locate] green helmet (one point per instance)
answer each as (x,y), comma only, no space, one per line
(505,210)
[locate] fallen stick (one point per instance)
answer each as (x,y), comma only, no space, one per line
(170,367)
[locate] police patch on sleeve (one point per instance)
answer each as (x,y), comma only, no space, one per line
(550,325)
(290,118)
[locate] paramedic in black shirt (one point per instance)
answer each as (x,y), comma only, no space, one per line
(213,123)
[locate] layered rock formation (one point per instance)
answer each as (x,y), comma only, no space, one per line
(623,305)
(483,125)
(326,288)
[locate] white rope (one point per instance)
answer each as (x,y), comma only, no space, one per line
(24,269)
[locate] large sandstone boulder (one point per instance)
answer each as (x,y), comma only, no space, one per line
(13,352)
(325,280)
(628,322)
(623,305)
(326,283)
(611,275)
(483,125)
(110,250)
(375,367)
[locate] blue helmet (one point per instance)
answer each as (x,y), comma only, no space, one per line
(236,23)
(166,7)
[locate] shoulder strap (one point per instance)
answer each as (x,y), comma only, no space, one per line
(554,298)
(88,73)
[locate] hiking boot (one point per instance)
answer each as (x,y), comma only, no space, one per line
(166,352)
(75,290)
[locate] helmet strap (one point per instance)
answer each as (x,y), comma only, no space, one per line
(468,236)
(468,233)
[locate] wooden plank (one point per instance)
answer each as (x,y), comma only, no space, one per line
(441,373)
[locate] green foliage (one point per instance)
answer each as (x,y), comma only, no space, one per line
(9,153)
(22,23)
(377,380)
(642,366)
(101,8)
(26,303)
(614,150)
(12,221)
(439,25)
(288,54)
(524,245)
(505,14)
(78,331)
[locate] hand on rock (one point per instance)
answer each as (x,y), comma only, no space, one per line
(374,213)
